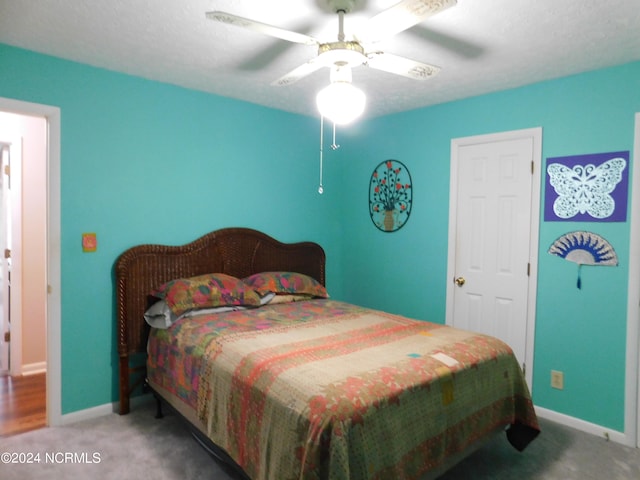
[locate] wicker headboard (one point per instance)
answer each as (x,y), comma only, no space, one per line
(235,251)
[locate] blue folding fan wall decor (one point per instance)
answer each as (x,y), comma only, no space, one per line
(584,248)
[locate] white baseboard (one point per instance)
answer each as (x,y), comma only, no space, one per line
(101,410)
(594,429)
(33,368)
(86,414)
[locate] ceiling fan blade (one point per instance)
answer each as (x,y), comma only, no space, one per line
(391,63)
(400,17)
(300,72)
(265,55)
(260,27)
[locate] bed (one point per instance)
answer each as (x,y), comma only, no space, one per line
(282,381)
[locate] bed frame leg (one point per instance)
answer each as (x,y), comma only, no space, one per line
(124,384)
(158,406)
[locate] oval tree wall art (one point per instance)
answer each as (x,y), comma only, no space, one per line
(390,195)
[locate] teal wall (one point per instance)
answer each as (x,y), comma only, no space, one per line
(143,161)
(580,332)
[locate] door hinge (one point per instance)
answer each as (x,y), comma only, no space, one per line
(528,269)
(524,369)
(7,337)
(7,170)
(532,166)
(7,253)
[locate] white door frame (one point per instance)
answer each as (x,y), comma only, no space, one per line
(632,383)
(456,143)
(54,364)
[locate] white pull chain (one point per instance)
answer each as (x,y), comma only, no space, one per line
(334,146)
(320,188)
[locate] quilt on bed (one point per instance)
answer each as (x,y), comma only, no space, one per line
(324,389)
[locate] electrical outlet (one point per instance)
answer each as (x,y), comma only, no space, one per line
(557,379)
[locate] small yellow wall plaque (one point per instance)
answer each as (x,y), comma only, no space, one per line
(89,242)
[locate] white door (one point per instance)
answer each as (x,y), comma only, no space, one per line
(5,235)
(493,231)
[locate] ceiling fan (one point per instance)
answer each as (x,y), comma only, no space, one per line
(344,54)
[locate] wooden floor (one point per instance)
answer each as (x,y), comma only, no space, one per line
(22,403)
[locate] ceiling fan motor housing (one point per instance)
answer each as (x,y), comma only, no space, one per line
(341,5)
(345,53)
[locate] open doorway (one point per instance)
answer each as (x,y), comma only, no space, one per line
(24,147)
(53,256)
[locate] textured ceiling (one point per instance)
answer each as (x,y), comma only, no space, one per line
(481,45)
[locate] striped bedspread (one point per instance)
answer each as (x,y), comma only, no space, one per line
(327,390)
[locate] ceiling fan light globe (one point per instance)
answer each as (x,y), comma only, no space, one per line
(341,102)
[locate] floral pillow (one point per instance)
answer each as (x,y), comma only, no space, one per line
(286,283)
(206,291)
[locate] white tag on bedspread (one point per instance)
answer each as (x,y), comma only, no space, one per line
(446,359)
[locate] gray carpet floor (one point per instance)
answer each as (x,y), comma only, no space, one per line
(137,446)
